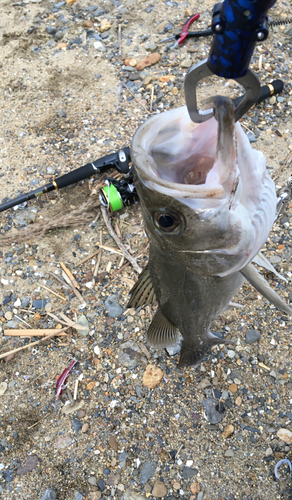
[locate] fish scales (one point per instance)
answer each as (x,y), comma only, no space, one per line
(208,205)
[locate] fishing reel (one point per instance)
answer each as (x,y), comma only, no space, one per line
(118,193)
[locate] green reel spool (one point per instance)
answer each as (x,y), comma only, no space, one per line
(112,197)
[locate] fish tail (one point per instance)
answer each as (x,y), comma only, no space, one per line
(189,355)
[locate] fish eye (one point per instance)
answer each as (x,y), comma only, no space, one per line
(167,222)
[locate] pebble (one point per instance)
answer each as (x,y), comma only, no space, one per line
(8,315)
(150,46)
(84,428)
(230,353)
(130,355)
(159,489)
(229,453)
(58,35)
(212,415)
(113,443)
(133,495)
(147,471)
(285,435)
(186,63)
(232,388)
(64,442)
(152,376)
(188,472)
(99,46)
(195,487)
(28,465)
(39,303)
(252,336)
(3,388)
(83,322)
(49,494)
(92,480)
(148,61)
(204,384)
(61,114)
(113,309)
(228,431)
(78,496)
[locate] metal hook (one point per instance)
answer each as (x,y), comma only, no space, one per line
(201,70)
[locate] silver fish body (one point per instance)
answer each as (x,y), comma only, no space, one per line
(208,205)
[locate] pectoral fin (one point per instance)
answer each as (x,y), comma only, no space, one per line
(262,286)
(161,332)
(142,292)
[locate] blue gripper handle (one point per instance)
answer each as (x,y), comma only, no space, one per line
(237,26)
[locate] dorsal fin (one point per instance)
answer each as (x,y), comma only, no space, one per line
(142,292)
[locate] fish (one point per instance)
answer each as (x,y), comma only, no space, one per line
(208,205)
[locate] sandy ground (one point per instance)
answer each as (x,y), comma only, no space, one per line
(63,105)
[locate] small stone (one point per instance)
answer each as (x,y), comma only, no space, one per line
(84,428)
(3,388)
(176,485)
(188,472)
(93,481)
(268,452)
(204,384)
(285,435)
(230,353)
(195,488)
(211,411)
(88,24)
(150,46)
(228,430)
(152,376)
(8,315)
(70,408)
(113,443)
(130,355)
(232,388)
(159,489)
(64,442)
(49,494)
(113,309)
(101,484)
(186,63)
(113,479)
(39,303)
(272,100)
(148,61)
(174,91)
(238,401)
(58,35)
(105,25)
(51,30)
(78,496)
(83,322)
(147,471)
(61,114)
(252,336)
(147,80)
(81,414)
(96,495)
(131,62)
(99,46)
(6,300)
(229,453)
(28,465)
(76,426)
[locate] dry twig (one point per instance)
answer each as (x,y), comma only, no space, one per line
(118,241)
(13,351)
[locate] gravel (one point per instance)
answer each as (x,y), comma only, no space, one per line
(66,86)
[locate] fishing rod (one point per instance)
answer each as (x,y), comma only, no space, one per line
(119,192)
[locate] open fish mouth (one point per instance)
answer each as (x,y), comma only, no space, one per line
(190,160)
